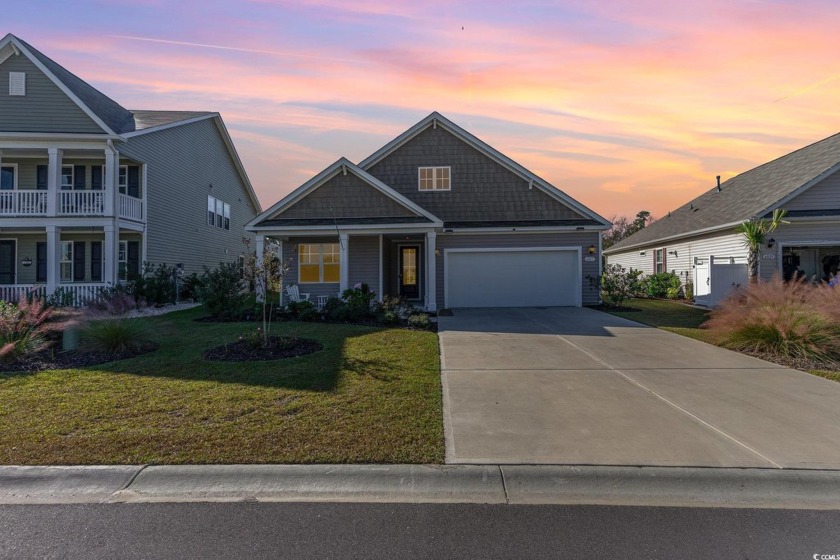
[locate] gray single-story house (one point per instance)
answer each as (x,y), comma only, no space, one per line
(440,218)
(693,239)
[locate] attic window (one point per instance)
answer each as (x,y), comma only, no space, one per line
(434,179)
(17,83)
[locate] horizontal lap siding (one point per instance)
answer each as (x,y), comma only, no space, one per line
(480,241)
(182,163)
(364,261)
(44,108)
(823,196)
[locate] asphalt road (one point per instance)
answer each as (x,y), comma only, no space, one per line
(252,531)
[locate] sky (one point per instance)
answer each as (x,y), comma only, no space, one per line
(623,104)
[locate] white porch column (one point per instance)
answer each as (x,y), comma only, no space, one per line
(110,257)
(53,180)
(112,160)
(53,258)
(260,248)
(431,272)
(343,261)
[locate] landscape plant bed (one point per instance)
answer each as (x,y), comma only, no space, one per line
(614,308)
(51,359)
(278,347)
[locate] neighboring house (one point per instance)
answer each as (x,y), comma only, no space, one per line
(89,190)
(438,217)
(804,182)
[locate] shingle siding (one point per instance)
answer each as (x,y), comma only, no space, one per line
(481,189)
(44,108)
(476,241)
(345,196)
(182,164)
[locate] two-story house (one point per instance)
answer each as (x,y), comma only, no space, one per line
(89,190)
(441,218)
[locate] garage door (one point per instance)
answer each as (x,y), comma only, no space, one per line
(512,278)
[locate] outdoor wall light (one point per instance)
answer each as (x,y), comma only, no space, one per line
(673,253)
(642,253)
(27,261)
(592,249)
(770,243)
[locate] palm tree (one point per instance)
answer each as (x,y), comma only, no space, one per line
(754,232)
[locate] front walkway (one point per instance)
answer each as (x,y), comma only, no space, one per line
(576,386)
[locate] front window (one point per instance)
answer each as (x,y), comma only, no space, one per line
(218,213)
(434,179)
(318,262)
(66,264)
(211,211)
(122,180)
(7,178)
(122,260)
(659,261)
(66,177)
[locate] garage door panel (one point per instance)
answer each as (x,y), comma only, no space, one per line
(505,278)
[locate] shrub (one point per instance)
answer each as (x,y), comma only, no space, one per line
(188,287)
(418,321)
(222,291)
(26,327)
(662,284)
(360,303)
(61,297)
(333,308)
(688,289)
(617,285)
(296,308)
(395,309)
(114,300)
(115,336)
(792,319)
(156,285)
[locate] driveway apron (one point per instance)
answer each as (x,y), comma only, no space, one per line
(577,386)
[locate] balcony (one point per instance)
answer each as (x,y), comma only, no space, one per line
(24,203)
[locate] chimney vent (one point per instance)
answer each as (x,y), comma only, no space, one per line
(718,180)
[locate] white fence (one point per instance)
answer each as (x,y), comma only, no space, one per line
(12,292)
(82,203)
(131,208)
(23,203)
(716,278)
(76,294)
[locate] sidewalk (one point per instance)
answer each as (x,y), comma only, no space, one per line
(486,484)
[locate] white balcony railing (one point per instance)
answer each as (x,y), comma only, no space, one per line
(82,293)
(12,292)
(70,294)
(131,208)
(81,203)
(23,203)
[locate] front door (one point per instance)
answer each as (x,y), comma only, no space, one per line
(7,261)
(409,272)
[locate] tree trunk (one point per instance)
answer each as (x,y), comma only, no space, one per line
(752,266)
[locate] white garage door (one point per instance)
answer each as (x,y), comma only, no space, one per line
(512,278)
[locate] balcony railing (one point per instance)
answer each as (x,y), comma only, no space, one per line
(12,292)
(131,208)
(23,203)
(81,203)
(75,294)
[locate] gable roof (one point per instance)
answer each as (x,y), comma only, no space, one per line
(144,120)
(751,194)
(340,166)
(435,119)
(112,117)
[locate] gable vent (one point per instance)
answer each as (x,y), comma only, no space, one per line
(17,83)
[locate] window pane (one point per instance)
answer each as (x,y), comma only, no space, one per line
(7,178)
(331,253)
(66,272)
(308,254)
(67,177)
(331,273)
(122,251)
(122,181)
(309,273)
(227,216)
(66,250)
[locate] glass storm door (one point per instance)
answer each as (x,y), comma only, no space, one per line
(409,283)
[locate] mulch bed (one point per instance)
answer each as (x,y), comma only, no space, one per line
(280,347)
(609,308)
(803,364)
(51,359)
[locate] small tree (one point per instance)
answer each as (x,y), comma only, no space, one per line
(617,284)
(754,231)
(266,275)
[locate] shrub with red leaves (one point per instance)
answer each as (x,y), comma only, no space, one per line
(26,327)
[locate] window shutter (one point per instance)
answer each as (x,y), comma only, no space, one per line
(96,261)
(79,261)
(134,181)
(133,258)
(79,177)
(41,261)
(96,178)
(41,177)
(664,259)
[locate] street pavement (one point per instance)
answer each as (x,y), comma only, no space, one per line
(576,386)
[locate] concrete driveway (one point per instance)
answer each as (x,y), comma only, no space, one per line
(577,386)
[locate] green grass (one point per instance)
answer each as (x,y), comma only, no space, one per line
(682,319)
(370,396)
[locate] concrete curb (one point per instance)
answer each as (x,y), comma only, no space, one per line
(485,484)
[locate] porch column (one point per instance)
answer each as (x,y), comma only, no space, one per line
(53,258)
(260,248)
(431,272)
(343,262)
(112,160)
(110,256)
(53,180)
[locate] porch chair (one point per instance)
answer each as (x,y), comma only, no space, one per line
(294,294)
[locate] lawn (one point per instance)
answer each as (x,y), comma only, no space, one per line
(370,396)
(684,320)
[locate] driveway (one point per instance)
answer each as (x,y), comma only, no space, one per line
(577,386)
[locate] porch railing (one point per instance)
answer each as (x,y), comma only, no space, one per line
(23,203)
(82,203)
(76,295)
(12,292)
(131,208)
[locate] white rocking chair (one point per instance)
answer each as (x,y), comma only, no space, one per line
(294,294)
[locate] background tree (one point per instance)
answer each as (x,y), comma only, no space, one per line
(754,231)
(623,227)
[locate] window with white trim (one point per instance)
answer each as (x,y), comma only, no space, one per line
(8,177)
(122,260)
(659,261)
(318,262)
(434,179)
(218,213)
(66,177)
(122,179)
(66,264)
